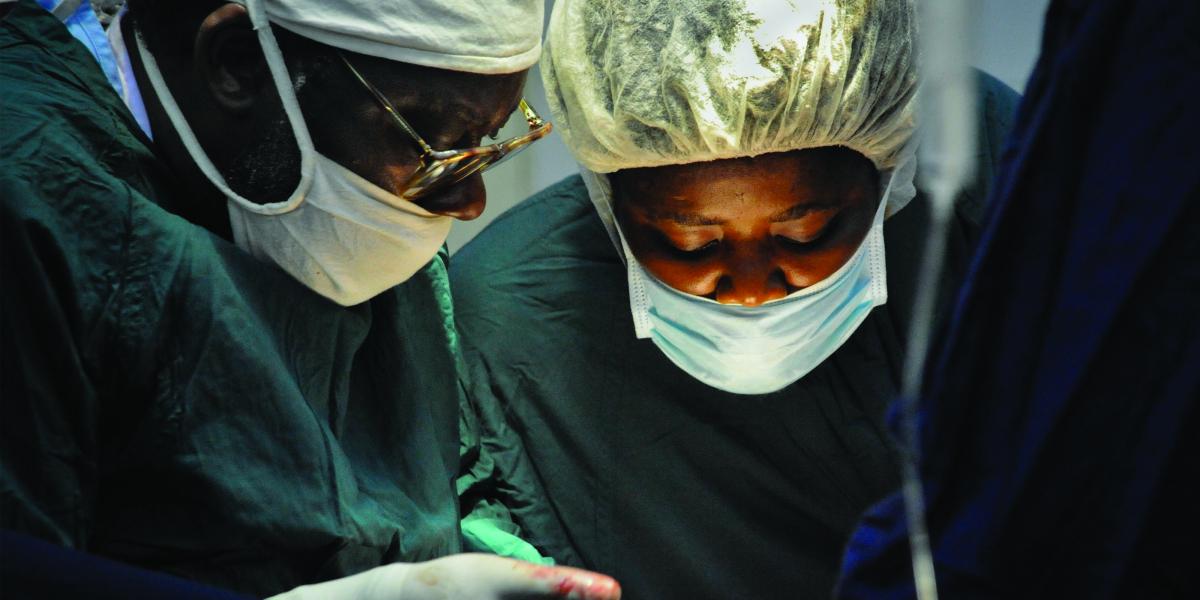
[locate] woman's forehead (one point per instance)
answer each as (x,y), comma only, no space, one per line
(799,176)
(807,161)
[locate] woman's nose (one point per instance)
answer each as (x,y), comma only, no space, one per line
(751,283)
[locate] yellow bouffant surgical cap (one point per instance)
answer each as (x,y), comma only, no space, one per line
(658,82)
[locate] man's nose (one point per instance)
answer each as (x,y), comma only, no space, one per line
(464,200)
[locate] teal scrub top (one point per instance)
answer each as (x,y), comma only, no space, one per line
(171,402)
(613,458)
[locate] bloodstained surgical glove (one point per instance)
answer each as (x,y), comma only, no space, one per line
(463,577)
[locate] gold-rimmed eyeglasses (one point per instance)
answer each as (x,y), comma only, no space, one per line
(441,168)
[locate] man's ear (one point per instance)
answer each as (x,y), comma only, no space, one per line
(228,58)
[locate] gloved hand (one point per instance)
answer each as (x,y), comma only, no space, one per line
(463,577)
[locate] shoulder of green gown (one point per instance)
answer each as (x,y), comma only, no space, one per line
(996,111)
(537,225)
(905,231)
(71,170)
(72,156)
(44,68)
(551,231)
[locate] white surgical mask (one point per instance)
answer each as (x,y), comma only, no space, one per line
(759,349)
(338,234)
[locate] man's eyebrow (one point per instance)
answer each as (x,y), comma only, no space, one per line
(503,119)
(474,119)
(800,210)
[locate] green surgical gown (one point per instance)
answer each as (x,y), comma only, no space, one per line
(169,401)
(615,459)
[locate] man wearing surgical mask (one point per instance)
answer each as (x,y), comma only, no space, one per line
(228,351)
(683,356)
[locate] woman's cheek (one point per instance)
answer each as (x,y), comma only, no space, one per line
(699,280)
(811,268)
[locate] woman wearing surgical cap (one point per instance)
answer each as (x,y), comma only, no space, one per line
(683,355)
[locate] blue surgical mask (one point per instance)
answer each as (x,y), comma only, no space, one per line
(759,349)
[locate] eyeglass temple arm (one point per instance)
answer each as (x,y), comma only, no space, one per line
(387,106)
(531,117)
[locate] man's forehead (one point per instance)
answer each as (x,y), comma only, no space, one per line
(453,92)
(481,101)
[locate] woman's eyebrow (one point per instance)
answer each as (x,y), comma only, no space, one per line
(698,220)
(682,218)
(802,209)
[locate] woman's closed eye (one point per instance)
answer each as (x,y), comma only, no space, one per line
(806,232)
(691,248)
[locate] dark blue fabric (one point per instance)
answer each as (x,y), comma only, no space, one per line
(32,568)
(1061,407)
